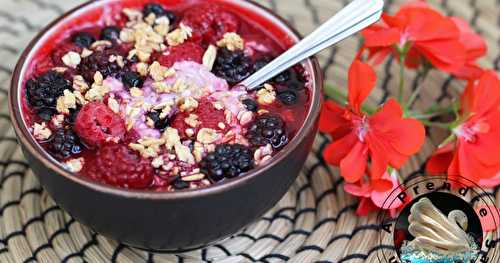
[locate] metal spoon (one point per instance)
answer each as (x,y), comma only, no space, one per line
(356,16)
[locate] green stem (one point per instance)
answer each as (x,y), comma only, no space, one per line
(401,78)
(445,126)
(335,94)
(432,112)
(450,139)
(417,91)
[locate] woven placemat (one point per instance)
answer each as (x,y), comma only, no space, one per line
(314,222)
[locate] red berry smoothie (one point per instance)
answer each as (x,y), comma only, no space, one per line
(145,98)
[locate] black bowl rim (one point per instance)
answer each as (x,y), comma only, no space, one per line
(27,140)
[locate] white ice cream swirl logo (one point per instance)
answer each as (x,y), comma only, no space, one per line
(438,237)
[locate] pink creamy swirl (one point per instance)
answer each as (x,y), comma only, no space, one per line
(190,73)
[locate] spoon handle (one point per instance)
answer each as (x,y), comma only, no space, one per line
(356,16)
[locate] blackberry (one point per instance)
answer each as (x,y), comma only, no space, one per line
(251,105)
(160,124)
(98,61)
(42,93)
(83,39)
(288,97)
(267,129)
(232,66)
(64,143)
(132,79)
(260,63)
(111,33)
(159,11)
(227,161)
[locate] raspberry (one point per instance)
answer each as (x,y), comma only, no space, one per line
(209,22)
(185,52)
(117,165)
(208,116)
(96,124)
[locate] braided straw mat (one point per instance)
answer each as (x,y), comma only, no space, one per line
(314,222)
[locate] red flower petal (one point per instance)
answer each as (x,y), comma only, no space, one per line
(424,24)
(332,118)
(379,159)
(407,136)
(486,147)
(378,55)
(486,94)
(447,55)
(392,139)
(365,207)
(386,199)
(382,120)
(469,167)
(474,44)
(490,182)
(381,37)
(468,72)
(454,168)
(337,150)
(352,167)
(362,79)
(440,160)
(358,189)
(413,59)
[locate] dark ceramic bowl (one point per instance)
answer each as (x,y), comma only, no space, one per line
(167,221)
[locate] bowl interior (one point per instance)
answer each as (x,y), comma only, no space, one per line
(96,12)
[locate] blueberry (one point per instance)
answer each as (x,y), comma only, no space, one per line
(251,105)
(110,33)
(282,77)
(288,97)
(132,79)
(159,123)
(83,39)
(179,184)
(159,11)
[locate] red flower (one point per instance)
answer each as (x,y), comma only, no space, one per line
(475,152)
(376,195)
(475,48)
(386,138)
(428,34)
